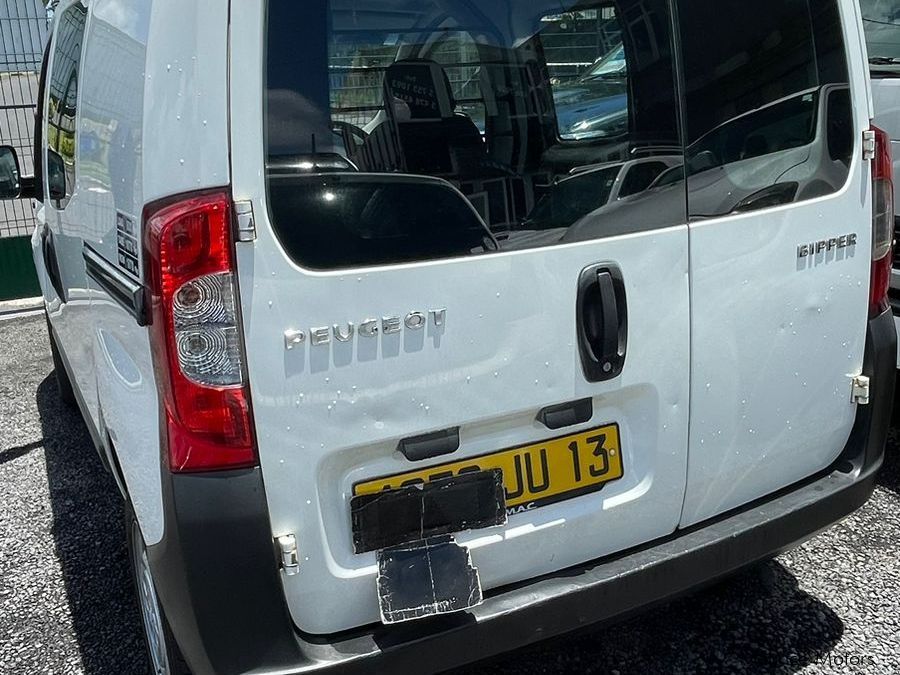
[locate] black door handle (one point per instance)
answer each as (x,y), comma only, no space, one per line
(602,322)
(430,445)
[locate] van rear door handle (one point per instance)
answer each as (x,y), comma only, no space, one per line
(436,443)
(602,322)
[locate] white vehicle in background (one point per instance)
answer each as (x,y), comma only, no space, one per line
(345,379)
(881,20)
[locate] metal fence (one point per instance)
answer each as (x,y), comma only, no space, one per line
(23,30)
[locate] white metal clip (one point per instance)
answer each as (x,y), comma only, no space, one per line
(859,392)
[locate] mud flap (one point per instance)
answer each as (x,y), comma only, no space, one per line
(424,578)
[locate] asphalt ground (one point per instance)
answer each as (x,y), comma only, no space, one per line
(66,602)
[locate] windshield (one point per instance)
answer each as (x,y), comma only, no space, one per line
(881,19)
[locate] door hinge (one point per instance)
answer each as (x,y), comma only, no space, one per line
(244,221)
(859,392)
(868,144)
(287,553)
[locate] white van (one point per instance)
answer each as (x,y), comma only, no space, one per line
(281,249)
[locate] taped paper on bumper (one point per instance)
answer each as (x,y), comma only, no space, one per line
(424,578)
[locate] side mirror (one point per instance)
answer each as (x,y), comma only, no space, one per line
(56,175)
(10,175)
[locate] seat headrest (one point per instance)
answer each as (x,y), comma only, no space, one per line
(423,86)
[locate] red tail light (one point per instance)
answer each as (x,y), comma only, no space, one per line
(195,333)
(882,223)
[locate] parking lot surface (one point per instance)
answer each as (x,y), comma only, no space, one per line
(830,606)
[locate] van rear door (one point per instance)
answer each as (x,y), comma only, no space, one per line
(780,243)
(412,267)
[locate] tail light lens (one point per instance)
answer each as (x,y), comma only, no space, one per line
(882,223)
(195,333)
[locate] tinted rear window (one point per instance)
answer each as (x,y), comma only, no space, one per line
(511,122)
(402,130)
(769,119)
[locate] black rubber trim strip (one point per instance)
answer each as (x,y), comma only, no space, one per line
(218,579)
(127,292)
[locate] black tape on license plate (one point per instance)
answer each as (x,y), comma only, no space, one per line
(466,502)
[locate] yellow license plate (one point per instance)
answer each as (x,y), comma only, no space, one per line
(533,475)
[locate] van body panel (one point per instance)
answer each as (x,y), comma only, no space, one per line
(109,201)
(769,327)
(186,98)
(755,360)
(329,416)
(69,305)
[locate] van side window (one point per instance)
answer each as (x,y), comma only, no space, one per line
(767,106)
(63,98)
(406,131)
